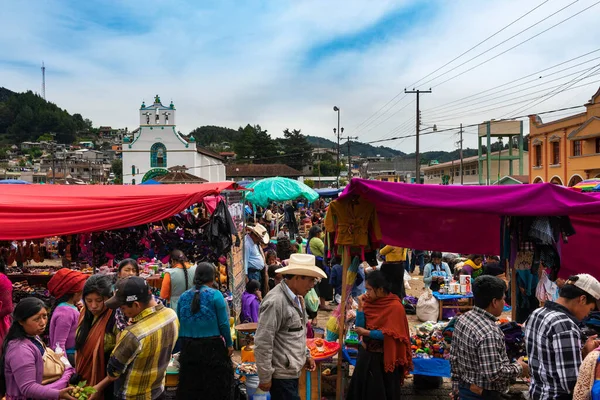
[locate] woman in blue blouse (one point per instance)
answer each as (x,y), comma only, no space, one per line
(205,369)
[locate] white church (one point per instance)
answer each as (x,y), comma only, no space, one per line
(156,146)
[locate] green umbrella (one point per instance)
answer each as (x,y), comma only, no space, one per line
(278,189)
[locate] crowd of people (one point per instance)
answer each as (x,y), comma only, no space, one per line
(117,336)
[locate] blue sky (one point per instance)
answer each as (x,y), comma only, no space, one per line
(281,64)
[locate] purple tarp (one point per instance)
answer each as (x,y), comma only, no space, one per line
(466,219)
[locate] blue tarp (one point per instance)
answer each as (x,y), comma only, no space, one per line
(431,367)
(14,182)
(328,192)
(150,182)
(268,190)
(439,296)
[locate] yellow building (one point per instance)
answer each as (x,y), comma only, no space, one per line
(566,151)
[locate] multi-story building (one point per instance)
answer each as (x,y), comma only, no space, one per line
(450,171)
(566,151)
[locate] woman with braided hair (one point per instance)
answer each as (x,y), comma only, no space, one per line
(205,369)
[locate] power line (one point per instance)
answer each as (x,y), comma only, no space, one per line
(454,114)
(524,77)
(486,98)
(472,125)
(451,61)
(480,43)
(500,44)
(521,43)
(508,105)
(591,72)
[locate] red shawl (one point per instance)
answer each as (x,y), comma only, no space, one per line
(387,315)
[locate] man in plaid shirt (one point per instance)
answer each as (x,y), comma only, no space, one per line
(480,367)
(555,344)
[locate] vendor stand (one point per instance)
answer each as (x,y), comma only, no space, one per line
(470,219)
(447,302)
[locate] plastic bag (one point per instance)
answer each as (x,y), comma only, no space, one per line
(427,307)
(312,300)
(407,279)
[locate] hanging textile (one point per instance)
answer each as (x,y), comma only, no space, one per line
(354,221)
(222,229)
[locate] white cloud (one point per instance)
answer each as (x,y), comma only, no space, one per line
(231,63)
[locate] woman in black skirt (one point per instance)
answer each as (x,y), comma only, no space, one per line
(206,371)
(385,356)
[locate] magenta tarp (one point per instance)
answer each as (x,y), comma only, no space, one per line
(466,219)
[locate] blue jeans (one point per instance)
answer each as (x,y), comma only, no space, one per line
(255,275)
(464,393)
(284,389)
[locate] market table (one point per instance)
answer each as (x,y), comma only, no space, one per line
(444,298)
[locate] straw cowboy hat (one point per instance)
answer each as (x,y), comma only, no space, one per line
(302,265)
(261,232)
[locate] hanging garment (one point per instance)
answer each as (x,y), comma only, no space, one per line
(355,222)
(222,229)
(290,221)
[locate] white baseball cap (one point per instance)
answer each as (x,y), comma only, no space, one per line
(588,284)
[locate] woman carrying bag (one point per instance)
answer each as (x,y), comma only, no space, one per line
(22,364)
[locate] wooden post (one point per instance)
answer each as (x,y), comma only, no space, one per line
(342,319)
(513,291)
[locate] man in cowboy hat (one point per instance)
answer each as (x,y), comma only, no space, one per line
(254,258)
(280,338)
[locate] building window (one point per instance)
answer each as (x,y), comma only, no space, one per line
(555,153)
(577,148)
(158,156)
(133,170)
(597,145)
(538,156)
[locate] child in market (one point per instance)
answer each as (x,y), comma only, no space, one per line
(274,278)
(251,302)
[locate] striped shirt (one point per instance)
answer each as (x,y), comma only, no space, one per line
(142,354)
(478,352)
(554,342)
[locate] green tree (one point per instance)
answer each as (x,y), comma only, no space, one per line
(297,151)
(35,153)
(46,137)
(310,183)
(116,167)
(255,145)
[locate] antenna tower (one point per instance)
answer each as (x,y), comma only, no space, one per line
(43,81)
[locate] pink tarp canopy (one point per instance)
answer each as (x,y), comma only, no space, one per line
(35,211)
(466,219)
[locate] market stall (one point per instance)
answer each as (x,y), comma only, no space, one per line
(466,219)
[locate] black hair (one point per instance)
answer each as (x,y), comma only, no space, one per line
(493,258)
(205,273)
(271,271)
(177,256)
(377,280)
(252,286)
(486,288)
(2,266)
(284,248)
(126,262)
(570,291)
(299,239)
(336,260)
(474,257)
(25,309)
(270,253)
(314,232)
(436,254)
(102,286)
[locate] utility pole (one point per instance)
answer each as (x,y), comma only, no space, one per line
(349,159)
(461,154)
(338,133)
(43,81)
(417,155)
